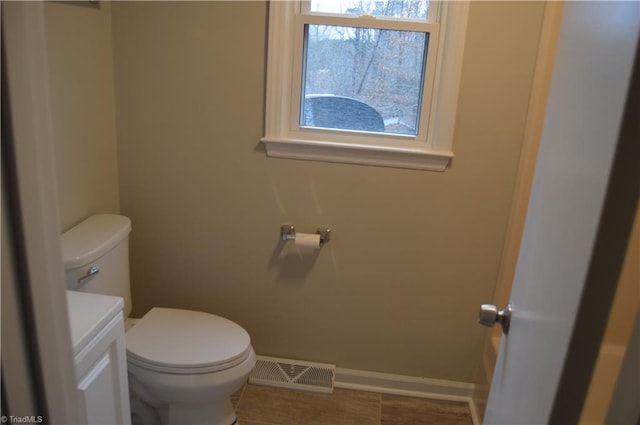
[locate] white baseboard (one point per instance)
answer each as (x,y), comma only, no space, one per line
(475,415)
(411,386)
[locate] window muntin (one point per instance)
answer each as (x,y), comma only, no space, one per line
(364,79)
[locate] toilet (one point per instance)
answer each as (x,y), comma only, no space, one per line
(183,365)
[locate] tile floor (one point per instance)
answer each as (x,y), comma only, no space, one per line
(261,405)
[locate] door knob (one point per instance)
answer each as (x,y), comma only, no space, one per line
(490,315)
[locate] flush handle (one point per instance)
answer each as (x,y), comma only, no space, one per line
(91,272)
(490,315)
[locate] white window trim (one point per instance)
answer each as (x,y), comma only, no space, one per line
(431,151)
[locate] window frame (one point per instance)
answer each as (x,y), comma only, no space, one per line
(430,149)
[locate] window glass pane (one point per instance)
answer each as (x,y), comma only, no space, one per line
(410,9)
(363,79)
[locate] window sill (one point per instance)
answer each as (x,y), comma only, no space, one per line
(412,157)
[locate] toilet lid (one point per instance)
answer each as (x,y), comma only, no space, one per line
(183,341)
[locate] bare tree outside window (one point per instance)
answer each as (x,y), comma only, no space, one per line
(381,68)
(408,9)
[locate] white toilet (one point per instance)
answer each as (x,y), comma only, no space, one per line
(183,365)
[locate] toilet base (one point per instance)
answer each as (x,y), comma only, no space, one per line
(219,413)
(186,399)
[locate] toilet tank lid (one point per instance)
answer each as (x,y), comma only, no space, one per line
(93,238)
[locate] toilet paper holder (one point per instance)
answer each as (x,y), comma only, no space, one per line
(288,233)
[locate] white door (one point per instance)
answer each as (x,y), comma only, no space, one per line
(544,364)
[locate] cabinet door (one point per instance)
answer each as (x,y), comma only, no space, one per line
(102,377)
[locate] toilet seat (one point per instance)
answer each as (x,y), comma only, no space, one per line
(186,342)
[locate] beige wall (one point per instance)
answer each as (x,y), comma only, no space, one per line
(80,64)
(413,253)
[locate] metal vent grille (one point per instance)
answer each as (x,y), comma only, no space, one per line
(293,374)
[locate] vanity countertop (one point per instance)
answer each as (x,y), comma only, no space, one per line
(88,314)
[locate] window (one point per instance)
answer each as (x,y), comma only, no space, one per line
(370,82)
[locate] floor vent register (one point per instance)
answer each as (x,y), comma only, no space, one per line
(293,374)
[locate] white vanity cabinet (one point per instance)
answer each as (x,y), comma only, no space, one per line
(97,333)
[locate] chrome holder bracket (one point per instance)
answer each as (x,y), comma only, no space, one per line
(288,233)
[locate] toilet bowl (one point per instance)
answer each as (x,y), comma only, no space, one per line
(187,364)
(183,365)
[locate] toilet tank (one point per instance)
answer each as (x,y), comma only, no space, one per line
(96,257)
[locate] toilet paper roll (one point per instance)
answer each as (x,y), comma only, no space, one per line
(307,240)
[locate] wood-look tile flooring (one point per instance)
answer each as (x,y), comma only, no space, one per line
(262,405)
